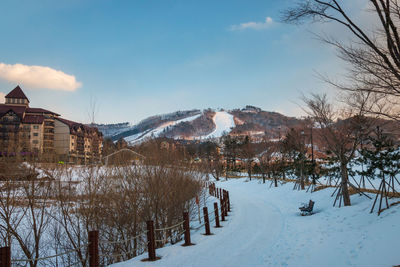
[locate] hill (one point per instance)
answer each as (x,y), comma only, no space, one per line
(196,124)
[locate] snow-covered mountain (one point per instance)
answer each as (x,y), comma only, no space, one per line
(199,125)
(112,129)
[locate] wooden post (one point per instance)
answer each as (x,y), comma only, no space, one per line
(206,221)
(5,257)
(93,248)
(225,206)
(217,193)
(222,210)
(151,243)
(220,193)
(186,226)
(229,202)
(216,215)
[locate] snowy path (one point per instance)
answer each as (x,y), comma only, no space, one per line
(242,237)
(265,229)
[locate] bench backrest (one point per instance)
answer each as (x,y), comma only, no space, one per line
(311,204)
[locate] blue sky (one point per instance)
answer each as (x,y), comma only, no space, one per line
(141,58)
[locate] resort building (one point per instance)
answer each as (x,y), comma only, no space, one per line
(37,132)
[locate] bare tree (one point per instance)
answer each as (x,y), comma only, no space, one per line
(341,133)
(294,145)
(248,154)
(267,160)
(373,55)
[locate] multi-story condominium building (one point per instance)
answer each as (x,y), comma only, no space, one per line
(78,143)
(26,131)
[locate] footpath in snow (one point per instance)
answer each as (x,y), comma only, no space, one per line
(265,229)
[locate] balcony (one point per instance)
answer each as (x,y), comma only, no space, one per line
(48,123)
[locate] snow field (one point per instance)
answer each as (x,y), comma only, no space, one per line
(265,229)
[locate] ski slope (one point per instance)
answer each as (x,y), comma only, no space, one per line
(265,229)
(224,122)
(157,131)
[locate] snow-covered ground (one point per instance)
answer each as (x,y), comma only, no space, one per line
(265,229)
(224,122)
(157,131)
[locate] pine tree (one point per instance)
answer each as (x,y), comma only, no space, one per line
(382,161)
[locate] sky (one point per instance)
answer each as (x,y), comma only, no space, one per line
(128,60)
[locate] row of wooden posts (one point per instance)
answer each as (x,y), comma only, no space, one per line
(93,236)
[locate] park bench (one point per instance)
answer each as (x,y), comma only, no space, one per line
(307,209)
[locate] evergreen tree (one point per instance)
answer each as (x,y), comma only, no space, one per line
(382,162)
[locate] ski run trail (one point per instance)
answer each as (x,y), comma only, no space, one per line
(264,228)
(224,123)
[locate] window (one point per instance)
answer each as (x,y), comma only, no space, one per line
(35,142)
(35,127)
(35,134)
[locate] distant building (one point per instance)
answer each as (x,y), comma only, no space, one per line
(39,132)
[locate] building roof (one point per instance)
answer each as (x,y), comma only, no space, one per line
(74,126)
(17,93)
(19,110)
(40,110)
(70,124)
(33,119)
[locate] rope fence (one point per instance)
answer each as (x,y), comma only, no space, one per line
(49,257)
(182,228)
(105,242)
(170,227)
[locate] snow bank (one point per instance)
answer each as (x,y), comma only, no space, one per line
(265,229)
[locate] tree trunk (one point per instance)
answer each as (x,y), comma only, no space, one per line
(249,170)
(344,184)
(302,178)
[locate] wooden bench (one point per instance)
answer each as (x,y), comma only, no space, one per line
(307,210)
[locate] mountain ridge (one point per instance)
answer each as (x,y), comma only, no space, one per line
(198,124)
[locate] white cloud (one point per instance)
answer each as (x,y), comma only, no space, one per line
(38,77)
(2,99)
(253,25)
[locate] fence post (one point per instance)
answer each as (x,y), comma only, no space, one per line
(225,206)
(229,202)
(151,244)
(93,248)
(206,221)
(222,210)
(217,193)
(187,229)
(216,215)
(5,257)
(220,193)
